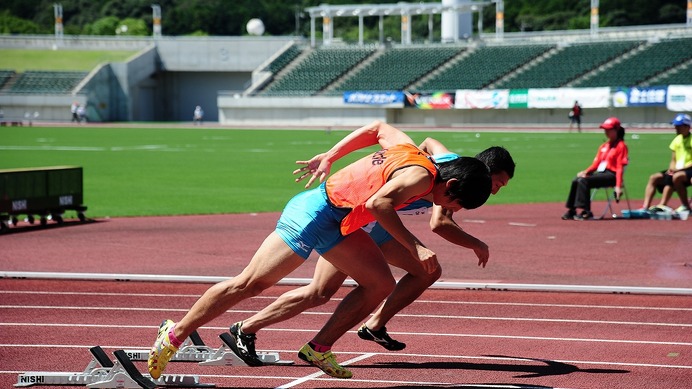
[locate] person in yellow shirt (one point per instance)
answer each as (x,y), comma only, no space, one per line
(678,176)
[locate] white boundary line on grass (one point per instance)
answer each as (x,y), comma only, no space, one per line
(305,281)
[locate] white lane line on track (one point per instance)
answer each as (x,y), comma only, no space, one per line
(451,317)
(331,380)
(420,301)
(320,373)
(105,294)
(304,281)
(482,336)
(543,305)
(411,355)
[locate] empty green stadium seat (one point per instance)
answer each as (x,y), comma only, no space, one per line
(397,68)
(568,64)
(283,59)
(683,77)
(317,70)
(644,65)
(483,66)
(47,82)
(5,76)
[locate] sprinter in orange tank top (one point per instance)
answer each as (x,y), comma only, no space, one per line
(327,279)
(398,174)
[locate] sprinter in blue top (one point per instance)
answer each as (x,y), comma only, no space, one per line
(327,278)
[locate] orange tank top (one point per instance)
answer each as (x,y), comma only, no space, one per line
(353,185)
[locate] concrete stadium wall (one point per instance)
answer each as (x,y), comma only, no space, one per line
(235,110)
(192,71)
(331,111)
(171,75)
(25,107)
(179,92)
(163,82)
(640,116)
(217,54)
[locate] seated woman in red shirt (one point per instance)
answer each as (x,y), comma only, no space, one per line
(606,170)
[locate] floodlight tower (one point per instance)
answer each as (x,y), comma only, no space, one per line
(156,17)
(594,17)
(405,27)
(499,19)
(327,28)
(57,11)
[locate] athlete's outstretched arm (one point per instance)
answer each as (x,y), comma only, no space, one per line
(406,183)
(442,224)
(433,146)
(374,133)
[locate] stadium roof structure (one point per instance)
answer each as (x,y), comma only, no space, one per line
(405,10)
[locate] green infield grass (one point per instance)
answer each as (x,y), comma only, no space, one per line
(177,171)
(21,60)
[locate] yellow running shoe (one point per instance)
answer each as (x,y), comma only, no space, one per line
(162,351)
(325,361)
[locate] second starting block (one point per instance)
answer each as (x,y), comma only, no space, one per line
(101,372)
(194,349)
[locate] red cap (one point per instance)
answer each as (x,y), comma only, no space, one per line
(611,124)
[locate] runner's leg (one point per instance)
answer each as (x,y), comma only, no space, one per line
(272,261)
(360,258)
(324,284)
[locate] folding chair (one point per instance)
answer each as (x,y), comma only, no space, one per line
(610,199)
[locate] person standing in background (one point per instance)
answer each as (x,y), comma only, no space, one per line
(198,115)
(575,116)
(73,109)
(81,113)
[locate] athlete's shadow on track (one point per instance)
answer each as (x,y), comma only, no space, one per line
(548,367)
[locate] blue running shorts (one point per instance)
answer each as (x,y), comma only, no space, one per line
(377,233)
(381,236)
(309,222)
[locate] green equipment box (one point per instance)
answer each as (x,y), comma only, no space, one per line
(45,192)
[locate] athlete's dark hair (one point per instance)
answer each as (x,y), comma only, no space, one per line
(498,160)
(473,184)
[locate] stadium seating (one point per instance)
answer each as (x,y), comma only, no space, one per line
(5,75)
(317,70)
(568,64)
(47,82)
(644,65)
(283,59)
(397,68)
(683,76)
(483,66)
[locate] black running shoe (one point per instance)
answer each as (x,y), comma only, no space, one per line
(380,337)
(585,215)
(244,345)
(569,215)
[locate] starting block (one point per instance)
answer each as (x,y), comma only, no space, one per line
(96,370)
(101,372)
(194,349)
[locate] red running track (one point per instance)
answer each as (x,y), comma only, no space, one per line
(461,338)
(456,338)
(528,243)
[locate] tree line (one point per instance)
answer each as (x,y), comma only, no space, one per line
(288,17)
